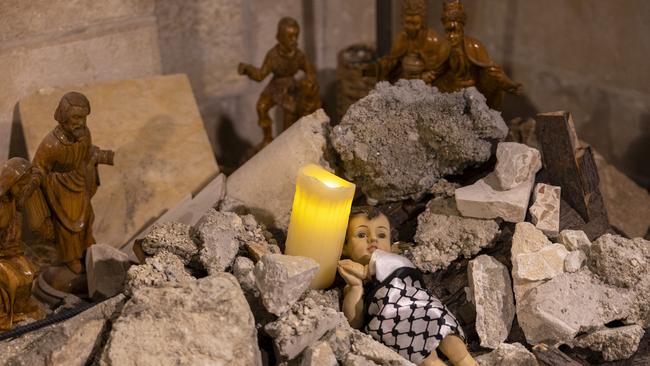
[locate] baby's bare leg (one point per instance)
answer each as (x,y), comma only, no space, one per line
(454,348)
(432,360)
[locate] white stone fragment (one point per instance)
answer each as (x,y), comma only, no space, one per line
(483,200)
(516,164)
(615,343)
(491,292)
(545,211)
(543,264)
(319,354)
(573,262)
(575,240)
(507,354)
(526,239)
(282,279)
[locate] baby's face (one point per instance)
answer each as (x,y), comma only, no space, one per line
(365,236)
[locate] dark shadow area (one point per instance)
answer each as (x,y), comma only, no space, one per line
(636,157)
(17,142)
(384,24)
(233,147)
(328,92)
(308,29)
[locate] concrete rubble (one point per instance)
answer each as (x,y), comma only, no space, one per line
(516,164)
(545,210)
(206,321)
(106,269)
(526,240)
(272,172)
(575,240)
(441,239)
(319,354)
(543,264)
(490,290)
(162,269)
(353,347)
(282,279)
(174,237)
(71,342)
(221,235)
(613,343)
(300,327)
(400,139)
(570,303)
(508,354)
(574,261)
(487,199)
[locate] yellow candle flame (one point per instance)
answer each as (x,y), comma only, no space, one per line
(319,219)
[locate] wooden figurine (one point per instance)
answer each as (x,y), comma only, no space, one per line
(385,292)
(417,51)
(66,162)
(17,183)
(468,63)
(297,98)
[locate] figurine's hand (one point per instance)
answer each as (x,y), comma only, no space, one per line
(516,89)
(429,76)
(352,272)
(243,69)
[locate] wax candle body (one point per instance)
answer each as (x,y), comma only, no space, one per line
(319,219)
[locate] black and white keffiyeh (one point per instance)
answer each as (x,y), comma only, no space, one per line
(402,314)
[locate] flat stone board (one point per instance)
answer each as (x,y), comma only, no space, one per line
(162,152)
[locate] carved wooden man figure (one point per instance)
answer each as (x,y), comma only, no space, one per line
(17,183)
(468,63)
(67,164)
(297,98)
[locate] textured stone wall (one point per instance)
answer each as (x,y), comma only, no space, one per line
(56,43)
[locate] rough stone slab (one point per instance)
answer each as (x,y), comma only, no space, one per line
(491,292)
(442,239)
(526,239)
(483,200)
(543,264)
(346,341)
(625,263)
(282,279)
(400,139)
(272,172)
(614,344)
(162,151)
(70,342)
(545,210)
(559,309)
(575,240)
(319,354)
(203,322)
(112,50)
(516,164)
(508,354)
(106,269)
(574,261)
(173,237)
(302,326)
(162,269)
(628,205)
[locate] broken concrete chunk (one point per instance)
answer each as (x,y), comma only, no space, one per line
(442,239)
(217,234)
(355,360)
(575,240)
(545,211)
(242,269)
(614,343)
(161,269)
(574,260)
(203,322)
(543,264)
(483,200)
(70,342)
(491,292)
(508,354)
(559,309)
(346,341)
(319,354)
(300,327)
(327,298)
(400,139)
(272,172)
(516,164)
(526,239)
(282,279)
(174,237)
(106,269)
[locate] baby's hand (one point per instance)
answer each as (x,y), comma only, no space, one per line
(352,272)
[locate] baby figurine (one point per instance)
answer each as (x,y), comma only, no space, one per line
(396,309)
